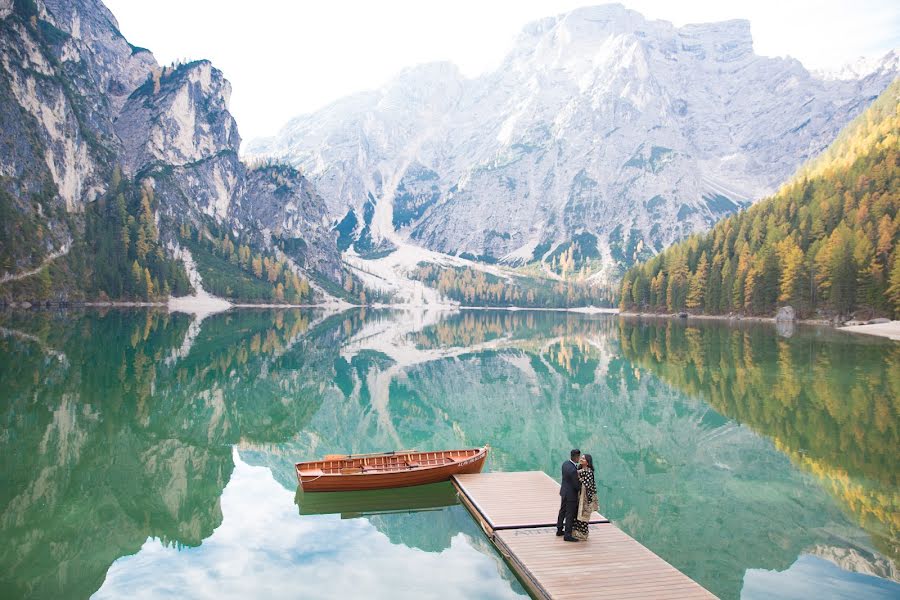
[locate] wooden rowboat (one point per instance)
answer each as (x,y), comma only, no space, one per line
(401,468)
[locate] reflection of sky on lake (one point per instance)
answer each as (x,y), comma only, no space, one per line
(741,457)
(264,549)
(813,577)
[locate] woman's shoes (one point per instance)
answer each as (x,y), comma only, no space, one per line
(569,538)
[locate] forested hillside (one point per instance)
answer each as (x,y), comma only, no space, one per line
(120,255)
(472,287)
(826,243)
(115,170)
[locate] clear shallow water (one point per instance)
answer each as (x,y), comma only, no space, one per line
(146,455)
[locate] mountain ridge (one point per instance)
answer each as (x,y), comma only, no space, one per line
(827,243)
(101,143)
(596,116)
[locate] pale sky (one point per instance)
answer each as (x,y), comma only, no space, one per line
(289,57)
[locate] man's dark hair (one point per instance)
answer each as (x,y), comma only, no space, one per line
(575,453)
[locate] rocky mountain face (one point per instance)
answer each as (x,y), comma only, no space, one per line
(77,101)
(602,131)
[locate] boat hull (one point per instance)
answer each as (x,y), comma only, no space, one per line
(334,482)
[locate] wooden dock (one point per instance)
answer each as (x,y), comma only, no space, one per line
(518,512)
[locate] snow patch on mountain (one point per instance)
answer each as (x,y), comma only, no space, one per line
(600,126)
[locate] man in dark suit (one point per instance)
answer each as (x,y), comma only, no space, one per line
(568,491)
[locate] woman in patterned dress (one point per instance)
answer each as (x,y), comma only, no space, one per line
(587,498)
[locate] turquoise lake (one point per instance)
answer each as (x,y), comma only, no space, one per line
(148,454)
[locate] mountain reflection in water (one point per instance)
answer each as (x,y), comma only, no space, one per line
(133,442)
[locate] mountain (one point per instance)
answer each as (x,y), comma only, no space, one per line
(863,67)
(112,167)
(602,133)
(826,243)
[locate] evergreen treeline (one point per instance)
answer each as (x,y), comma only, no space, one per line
(474,287)
(120,255)
(123,246)
(828,241)
(231,269)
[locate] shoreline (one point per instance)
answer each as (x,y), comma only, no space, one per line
(889,330)
(192,304)
(205,306)
(735,318)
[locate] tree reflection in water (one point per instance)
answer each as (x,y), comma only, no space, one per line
(119,427)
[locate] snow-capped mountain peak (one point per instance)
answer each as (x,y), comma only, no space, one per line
(863,67)
(600,129)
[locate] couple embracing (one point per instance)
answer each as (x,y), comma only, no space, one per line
(578,497)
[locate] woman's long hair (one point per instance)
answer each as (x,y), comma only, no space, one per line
(590,461)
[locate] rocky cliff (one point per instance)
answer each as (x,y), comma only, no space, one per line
(80,108)
(602,131)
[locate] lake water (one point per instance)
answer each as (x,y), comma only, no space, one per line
(144,454)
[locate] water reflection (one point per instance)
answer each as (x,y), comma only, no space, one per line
(351,505)
(734,453)
(829,401)
(262,550)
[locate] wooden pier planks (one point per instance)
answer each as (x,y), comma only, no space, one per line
(518,513)
(609,565)
(515,499)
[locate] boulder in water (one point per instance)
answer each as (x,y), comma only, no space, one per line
(785,314)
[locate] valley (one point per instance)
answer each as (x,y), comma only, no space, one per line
(603,138)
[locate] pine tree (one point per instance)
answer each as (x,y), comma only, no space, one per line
(841,270)
(886,231)
(725,296)
(714,287)
(146,233)
(676,290)
(137,277)
(122,224)
(793,272)
(697,293)
(868,271)
(148,284)
(625,301)
(893,290)
(640,290)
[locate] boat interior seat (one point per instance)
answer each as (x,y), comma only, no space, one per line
(311,472)
(351,470)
